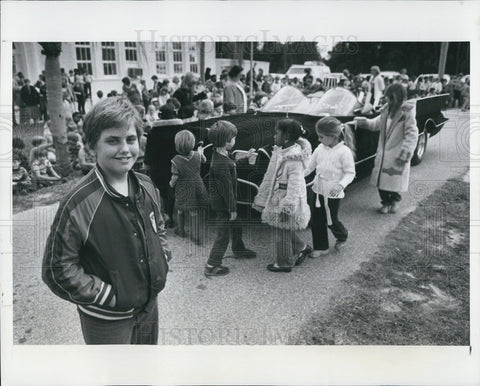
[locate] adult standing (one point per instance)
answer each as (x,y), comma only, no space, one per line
(30,100)
(233,93)
(377,86)
(186,95)
(396,144)
(131,92)
(79,91)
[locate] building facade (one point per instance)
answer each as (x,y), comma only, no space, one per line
(109,62)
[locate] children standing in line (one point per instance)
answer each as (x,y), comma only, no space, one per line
(282,196)
(223,199)
(190,193)
(334,169)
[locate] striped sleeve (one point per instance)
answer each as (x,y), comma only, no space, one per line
(61,268)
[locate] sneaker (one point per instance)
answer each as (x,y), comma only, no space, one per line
(216,271)
(245,254)
(339,245)
(319,252)
(384,209)
(302,255)
(393,208)
(276,268)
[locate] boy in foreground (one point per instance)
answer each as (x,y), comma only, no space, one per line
(107,250)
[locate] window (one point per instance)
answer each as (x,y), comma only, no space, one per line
(161,58)
(192,57)
(131,51)
(84,56)
(108,58)
(177,57)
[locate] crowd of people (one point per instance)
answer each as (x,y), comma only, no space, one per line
(185,99)
(111,259)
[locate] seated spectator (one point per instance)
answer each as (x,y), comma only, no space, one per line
(43,173)
(86,159)
(38,143)
(73,147)
(21,182)
(77,118)
(17,149)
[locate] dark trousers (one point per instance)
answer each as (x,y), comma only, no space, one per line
(226,229)
(320,227)
(388,198)
(141,329)
(288,246)
(88,90)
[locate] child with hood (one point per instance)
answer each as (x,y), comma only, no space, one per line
(282,196)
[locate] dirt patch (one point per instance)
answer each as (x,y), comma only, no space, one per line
(415,289)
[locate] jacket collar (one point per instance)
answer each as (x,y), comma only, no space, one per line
(109,188)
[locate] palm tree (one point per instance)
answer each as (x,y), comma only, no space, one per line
(53,80)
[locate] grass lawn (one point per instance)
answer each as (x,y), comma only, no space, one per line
(415,288)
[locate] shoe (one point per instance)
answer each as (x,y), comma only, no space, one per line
(274,268)
(393,208)
(245,254)
(302,255)
(319,252)
(384,209)
(216,271)
(339,245)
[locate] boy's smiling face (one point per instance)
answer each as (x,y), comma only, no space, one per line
(117,150)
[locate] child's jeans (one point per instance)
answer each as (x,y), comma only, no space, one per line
(141,329)
(320,227)
(224,226)
(288,246)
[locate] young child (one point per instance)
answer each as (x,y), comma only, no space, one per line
(21,181)
(17,149)
(39,142)
(223,199)
(282,196)
(334,169)
(42,171)
(190,193)
(107,250)
(73,148)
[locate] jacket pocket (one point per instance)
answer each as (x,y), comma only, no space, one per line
(125,299)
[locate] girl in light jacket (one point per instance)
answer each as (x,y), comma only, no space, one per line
(396,145)
(282,196)
(334,169)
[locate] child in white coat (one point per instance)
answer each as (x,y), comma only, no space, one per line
(334,169)
(282,196)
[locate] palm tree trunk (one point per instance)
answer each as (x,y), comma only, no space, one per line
(58,127)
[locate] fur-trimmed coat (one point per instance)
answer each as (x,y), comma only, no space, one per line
(399,140)
(283,189)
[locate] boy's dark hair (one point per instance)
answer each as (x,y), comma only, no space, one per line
(110,113)
(17,143)
(37,153)
(222,132)
(290,127)
(99,93)
(37,140)
(16,156)
(234,71)
(126,81)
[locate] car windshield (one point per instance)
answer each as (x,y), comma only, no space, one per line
(338,101)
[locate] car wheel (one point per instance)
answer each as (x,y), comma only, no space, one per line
(420,149)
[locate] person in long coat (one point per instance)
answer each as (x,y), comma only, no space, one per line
(396,145)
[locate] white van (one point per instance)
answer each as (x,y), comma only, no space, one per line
(319,70)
